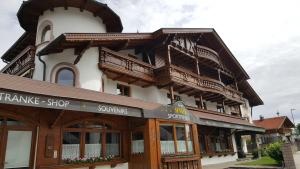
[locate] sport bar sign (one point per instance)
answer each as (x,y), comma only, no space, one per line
(177,111)
(31,100)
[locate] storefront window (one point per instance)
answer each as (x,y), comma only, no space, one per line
(167,139)
(183,139)
(218,141)
(1,121)
(137,143)
(202,144)
(180,134)
(98,140)
(113,144)
(12,122)
(93,145)
(71,145)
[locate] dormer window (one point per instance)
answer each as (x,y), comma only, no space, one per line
(65,76)
(46,34)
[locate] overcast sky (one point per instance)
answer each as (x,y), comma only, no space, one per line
(264,35)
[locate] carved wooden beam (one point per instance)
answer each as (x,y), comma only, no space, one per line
(123,45)
(57,119)
(163,86)
(119,77)
(133,81)
(187,90)
(80,51)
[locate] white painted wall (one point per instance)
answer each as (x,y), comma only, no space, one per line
(70,21)
(246,110)
(150,94)
(89,74)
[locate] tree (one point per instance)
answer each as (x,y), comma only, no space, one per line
(298,129)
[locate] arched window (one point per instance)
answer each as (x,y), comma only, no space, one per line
(90,139)
(65,76)
(46,34)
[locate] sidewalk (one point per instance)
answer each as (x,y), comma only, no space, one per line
(297,159)
(220,166)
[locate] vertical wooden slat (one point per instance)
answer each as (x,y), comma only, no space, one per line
(171,90)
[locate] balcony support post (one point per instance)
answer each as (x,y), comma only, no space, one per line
(223,104)
(169,55)
(236,85)
(171,90)
(240,111)
(197,66)
(219,75)
(201,102)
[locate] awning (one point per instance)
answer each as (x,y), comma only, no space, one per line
(21,91)
(208,118)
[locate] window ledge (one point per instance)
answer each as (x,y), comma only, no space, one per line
(210,155)
(180,158)
(112,163)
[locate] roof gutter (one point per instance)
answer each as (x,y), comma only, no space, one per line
(44,67)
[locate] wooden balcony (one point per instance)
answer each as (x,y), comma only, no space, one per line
(22,64)
(193,85)
(203,54)
(126,68)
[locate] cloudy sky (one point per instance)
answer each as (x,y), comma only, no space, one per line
(264,36)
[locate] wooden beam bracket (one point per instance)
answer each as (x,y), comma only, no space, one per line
(59,116)
(80,51)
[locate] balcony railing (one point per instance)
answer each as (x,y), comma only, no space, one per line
(184,77)
(22,63)
(123,64)
(207,53)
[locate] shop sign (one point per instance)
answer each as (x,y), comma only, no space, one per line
(66,104)
(177,111)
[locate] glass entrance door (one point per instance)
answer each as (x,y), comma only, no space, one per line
(18,147)
(16,141)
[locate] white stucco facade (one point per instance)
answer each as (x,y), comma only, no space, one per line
(71,20)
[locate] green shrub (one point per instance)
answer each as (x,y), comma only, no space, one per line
(255,154)
(263,152)
(274,151)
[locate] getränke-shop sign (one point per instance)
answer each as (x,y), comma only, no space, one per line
(66,104)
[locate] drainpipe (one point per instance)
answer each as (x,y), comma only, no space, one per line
(44,67)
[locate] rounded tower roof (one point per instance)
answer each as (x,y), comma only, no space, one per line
(30,11)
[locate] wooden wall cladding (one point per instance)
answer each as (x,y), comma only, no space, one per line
(49,149)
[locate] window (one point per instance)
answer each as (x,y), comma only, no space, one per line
(220,109)
(123,90)
(46,34)
(90,139)
(65,76)
(71,145)
(181,144)
(219,141)
(137,144)
(1,121)
(176,97)
(202,144)
(199,105)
